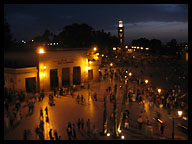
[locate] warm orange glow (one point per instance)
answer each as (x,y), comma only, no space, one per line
(90,62)
(130,74)
(159,90)
(41,51)
(97,54)
(160,120)
(146,48)
(186,56)
(42,75)
(146,81)
(44,67)
(114,48)
(126,46)
(179,113)
(94,48)
(111,64)
(102,55)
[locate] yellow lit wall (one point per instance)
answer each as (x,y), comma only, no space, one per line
(18,76)
(64,59)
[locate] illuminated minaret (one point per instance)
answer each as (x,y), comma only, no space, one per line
(121,33)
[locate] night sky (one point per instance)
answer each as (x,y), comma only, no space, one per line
(160,21)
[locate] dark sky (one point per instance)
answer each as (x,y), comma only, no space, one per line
(160,21)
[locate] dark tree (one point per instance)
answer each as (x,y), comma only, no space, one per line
(141,42)
(46,37)
(8,38)
(155,46)
(172,47)
(76,35)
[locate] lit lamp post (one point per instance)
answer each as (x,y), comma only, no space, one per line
(130,74)
(179,114)
(111,64)
(146,82)
(159,90)
(94,49)
(40,51)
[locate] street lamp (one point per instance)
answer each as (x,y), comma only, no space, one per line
(111,64)
(159,90)
(130,74)
(146,81)
(179,114)
(90,62)
(94,48)
(41,51)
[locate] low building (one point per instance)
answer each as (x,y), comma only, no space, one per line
(21,79)
(50,69)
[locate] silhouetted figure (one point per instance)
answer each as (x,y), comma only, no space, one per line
(46,110)
(79,124)
(82,124)
(41,113)
(56,135)
(50,135)
(74,132)
(69,131)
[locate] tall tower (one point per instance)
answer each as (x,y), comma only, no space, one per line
(121,33)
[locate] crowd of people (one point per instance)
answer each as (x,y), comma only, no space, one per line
(139,92)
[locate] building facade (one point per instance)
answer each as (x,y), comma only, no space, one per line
(53,69)
(21,79)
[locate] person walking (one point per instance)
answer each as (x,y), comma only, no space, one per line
(69,131)
(50,135)
(140,122)
(25,134)
(82,99)
(41,113)
(78,98)
(32,107)
(56,135)
(46,110)
(74,132)
(126,122)
(95,96)
(55,91)
(61,92)
(41,135)
(162,129)
(88,127)
(79,124)
(82,124)
(29,107)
